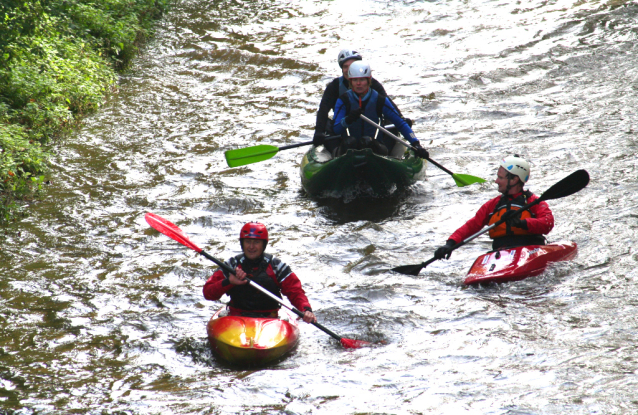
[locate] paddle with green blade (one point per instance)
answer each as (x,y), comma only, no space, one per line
(566,187)
(461,180)
(172,231)
(262,152)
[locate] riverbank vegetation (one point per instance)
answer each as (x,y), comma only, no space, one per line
(58,60)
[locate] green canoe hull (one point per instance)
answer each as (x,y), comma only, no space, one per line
(358,170)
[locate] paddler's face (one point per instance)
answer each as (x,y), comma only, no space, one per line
(253,248)
(345,67)
(359,85)
(502,182)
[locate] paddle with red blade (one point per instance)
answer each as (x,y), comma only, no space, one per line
(568,186)
(172,231)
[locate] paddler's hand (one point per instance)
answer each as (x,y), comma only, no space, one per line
(238,278)
(353,116)
(517,223)
(318,139)
(445,251)
(420,151)
(509,215)
(309,317)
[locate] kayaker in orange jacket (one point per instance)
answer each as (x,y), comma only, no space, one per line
(527,228)
(265,270)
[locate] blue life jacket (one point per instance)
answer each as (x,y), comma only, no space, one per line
(372,108)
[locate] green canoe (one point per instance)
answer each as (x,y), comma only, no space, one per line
(358,170)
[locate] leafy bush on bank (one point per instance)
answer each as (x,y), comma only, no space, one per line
(21,162)
(58,59)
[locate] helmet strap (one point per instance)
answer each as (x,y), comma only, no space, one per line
(511,177)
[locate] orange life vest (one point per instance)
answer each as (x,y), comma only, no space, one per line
(501,207)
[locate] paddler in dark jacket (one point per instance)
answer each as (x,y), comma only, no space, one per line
(333,91)
(265,270)
(362,99)
(527,228)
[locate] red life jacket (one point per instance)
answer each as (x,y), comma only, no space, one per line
(505,204)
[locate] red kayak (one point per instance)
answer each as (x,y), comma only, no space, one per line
(252,340)
(515,264)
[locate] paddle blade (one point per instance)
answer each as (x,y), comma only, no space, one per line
(466,180)
(568,186)
(169,229)
(249,155)
(353,344)
(408,269)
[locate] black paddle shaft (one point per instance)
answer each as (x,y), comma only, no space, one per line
(228,269)
(566,187)
(398,140)
(307,143)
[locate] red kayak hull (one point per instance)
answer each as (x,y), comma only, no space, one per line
(252,341)
(515,264)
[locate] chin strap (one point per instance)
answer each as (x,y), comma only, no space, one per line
(508,229)
(509,186)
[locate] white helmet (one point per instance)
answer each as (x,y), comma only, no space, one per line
(516,166)
(359,70)
(347,54)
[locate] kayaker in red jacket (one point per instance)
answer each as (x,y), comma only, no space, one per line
(265,270)
(527,228)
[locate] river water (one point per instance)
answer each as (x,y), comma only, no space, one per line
(103,315)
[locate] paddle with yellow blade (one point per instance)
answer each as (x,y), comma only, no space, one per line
(460,179)
(254,154)
(172,231)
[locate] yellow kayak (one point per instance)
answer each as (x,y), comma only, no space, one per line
(252,340)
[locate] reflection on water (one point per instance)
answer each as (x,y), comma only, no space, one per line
(367,208)
(101,314)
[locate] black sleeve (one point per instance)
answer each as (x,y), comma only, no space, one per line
(328,101)
(376,85)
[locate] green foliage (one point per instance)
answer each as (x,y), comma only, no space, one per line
(50,82)
(57,62)
(114,27)
(18,19)
(22,166)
